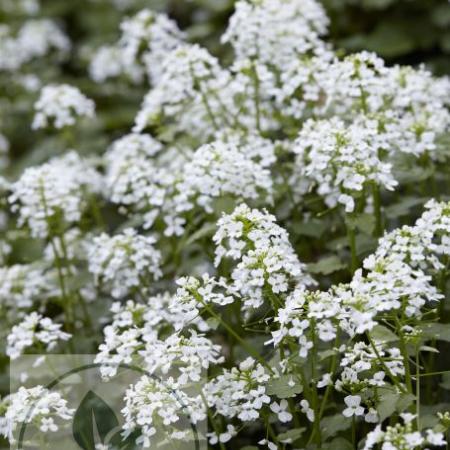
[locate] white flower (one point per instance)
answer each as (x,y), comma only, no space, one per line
(36,405)
(34,329)
(60,106)
(275,31)
(22,285)
(353,406)
(435,438)
(265,255)
(270,444)
(339,161)
(280,409)
(55,193)
(239,392)
(222,437)
(306,409)
(191,95)
(146,40)
(124,262)
(35,39)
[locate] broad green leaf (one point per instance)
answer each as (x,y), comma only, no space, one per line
(205,231)
(391,402)
(331,425)
(284,387)
(291,435)
(387,404)
(381,333)
(403,207)
(438,331)
(338,443)
(327,265)
(363,222)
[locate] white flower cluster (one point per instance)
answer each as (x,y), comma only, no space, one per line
(340,160)
(22,285)
(219,169)
(35,39)
(60,106)
(190,96)
(146,39)
(139,335)
(29,7)
(239,392)
(403,436)
(362,372)
(275,31)
(267,263)
(423,245)
(49,196)
(135,179)
(152,406)
(124,262)
(140,178)
(34,330)
(388,284)
(193,295)
(37,406)
(316,312)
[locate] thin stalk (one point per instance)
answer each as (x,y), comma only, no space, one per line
(377,210)
(211,419)
(352,243)
(248,348)
(256,85)
(417,388)
(405,357)
(333,365)
(355,444)
(385,367)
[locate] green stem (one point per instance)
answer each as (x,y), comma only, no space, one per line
(417,388)
(211,419)
(385,367)
(352,243)
(256,84)
(377,210)
(248,348)
(332,370)
(355,444)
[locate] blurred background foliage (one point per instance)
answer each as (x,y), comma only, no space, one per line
(401,31)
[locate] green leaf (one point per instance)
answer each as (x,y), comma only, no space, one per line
(387,405)
(291,435)
(338,443)
(281,387)
(206,230)
(363,222)
(403,207)
(327,265)
(391,402)
(381,333)
(427,348)
(93,416)
(314,228)
(439,331)
(331,425)
(404,402)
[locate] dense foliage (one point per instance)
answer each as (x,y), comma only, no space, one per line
(238,189)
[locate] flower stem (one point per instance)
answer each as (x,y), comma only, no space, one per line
(378,231)
(351,235)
